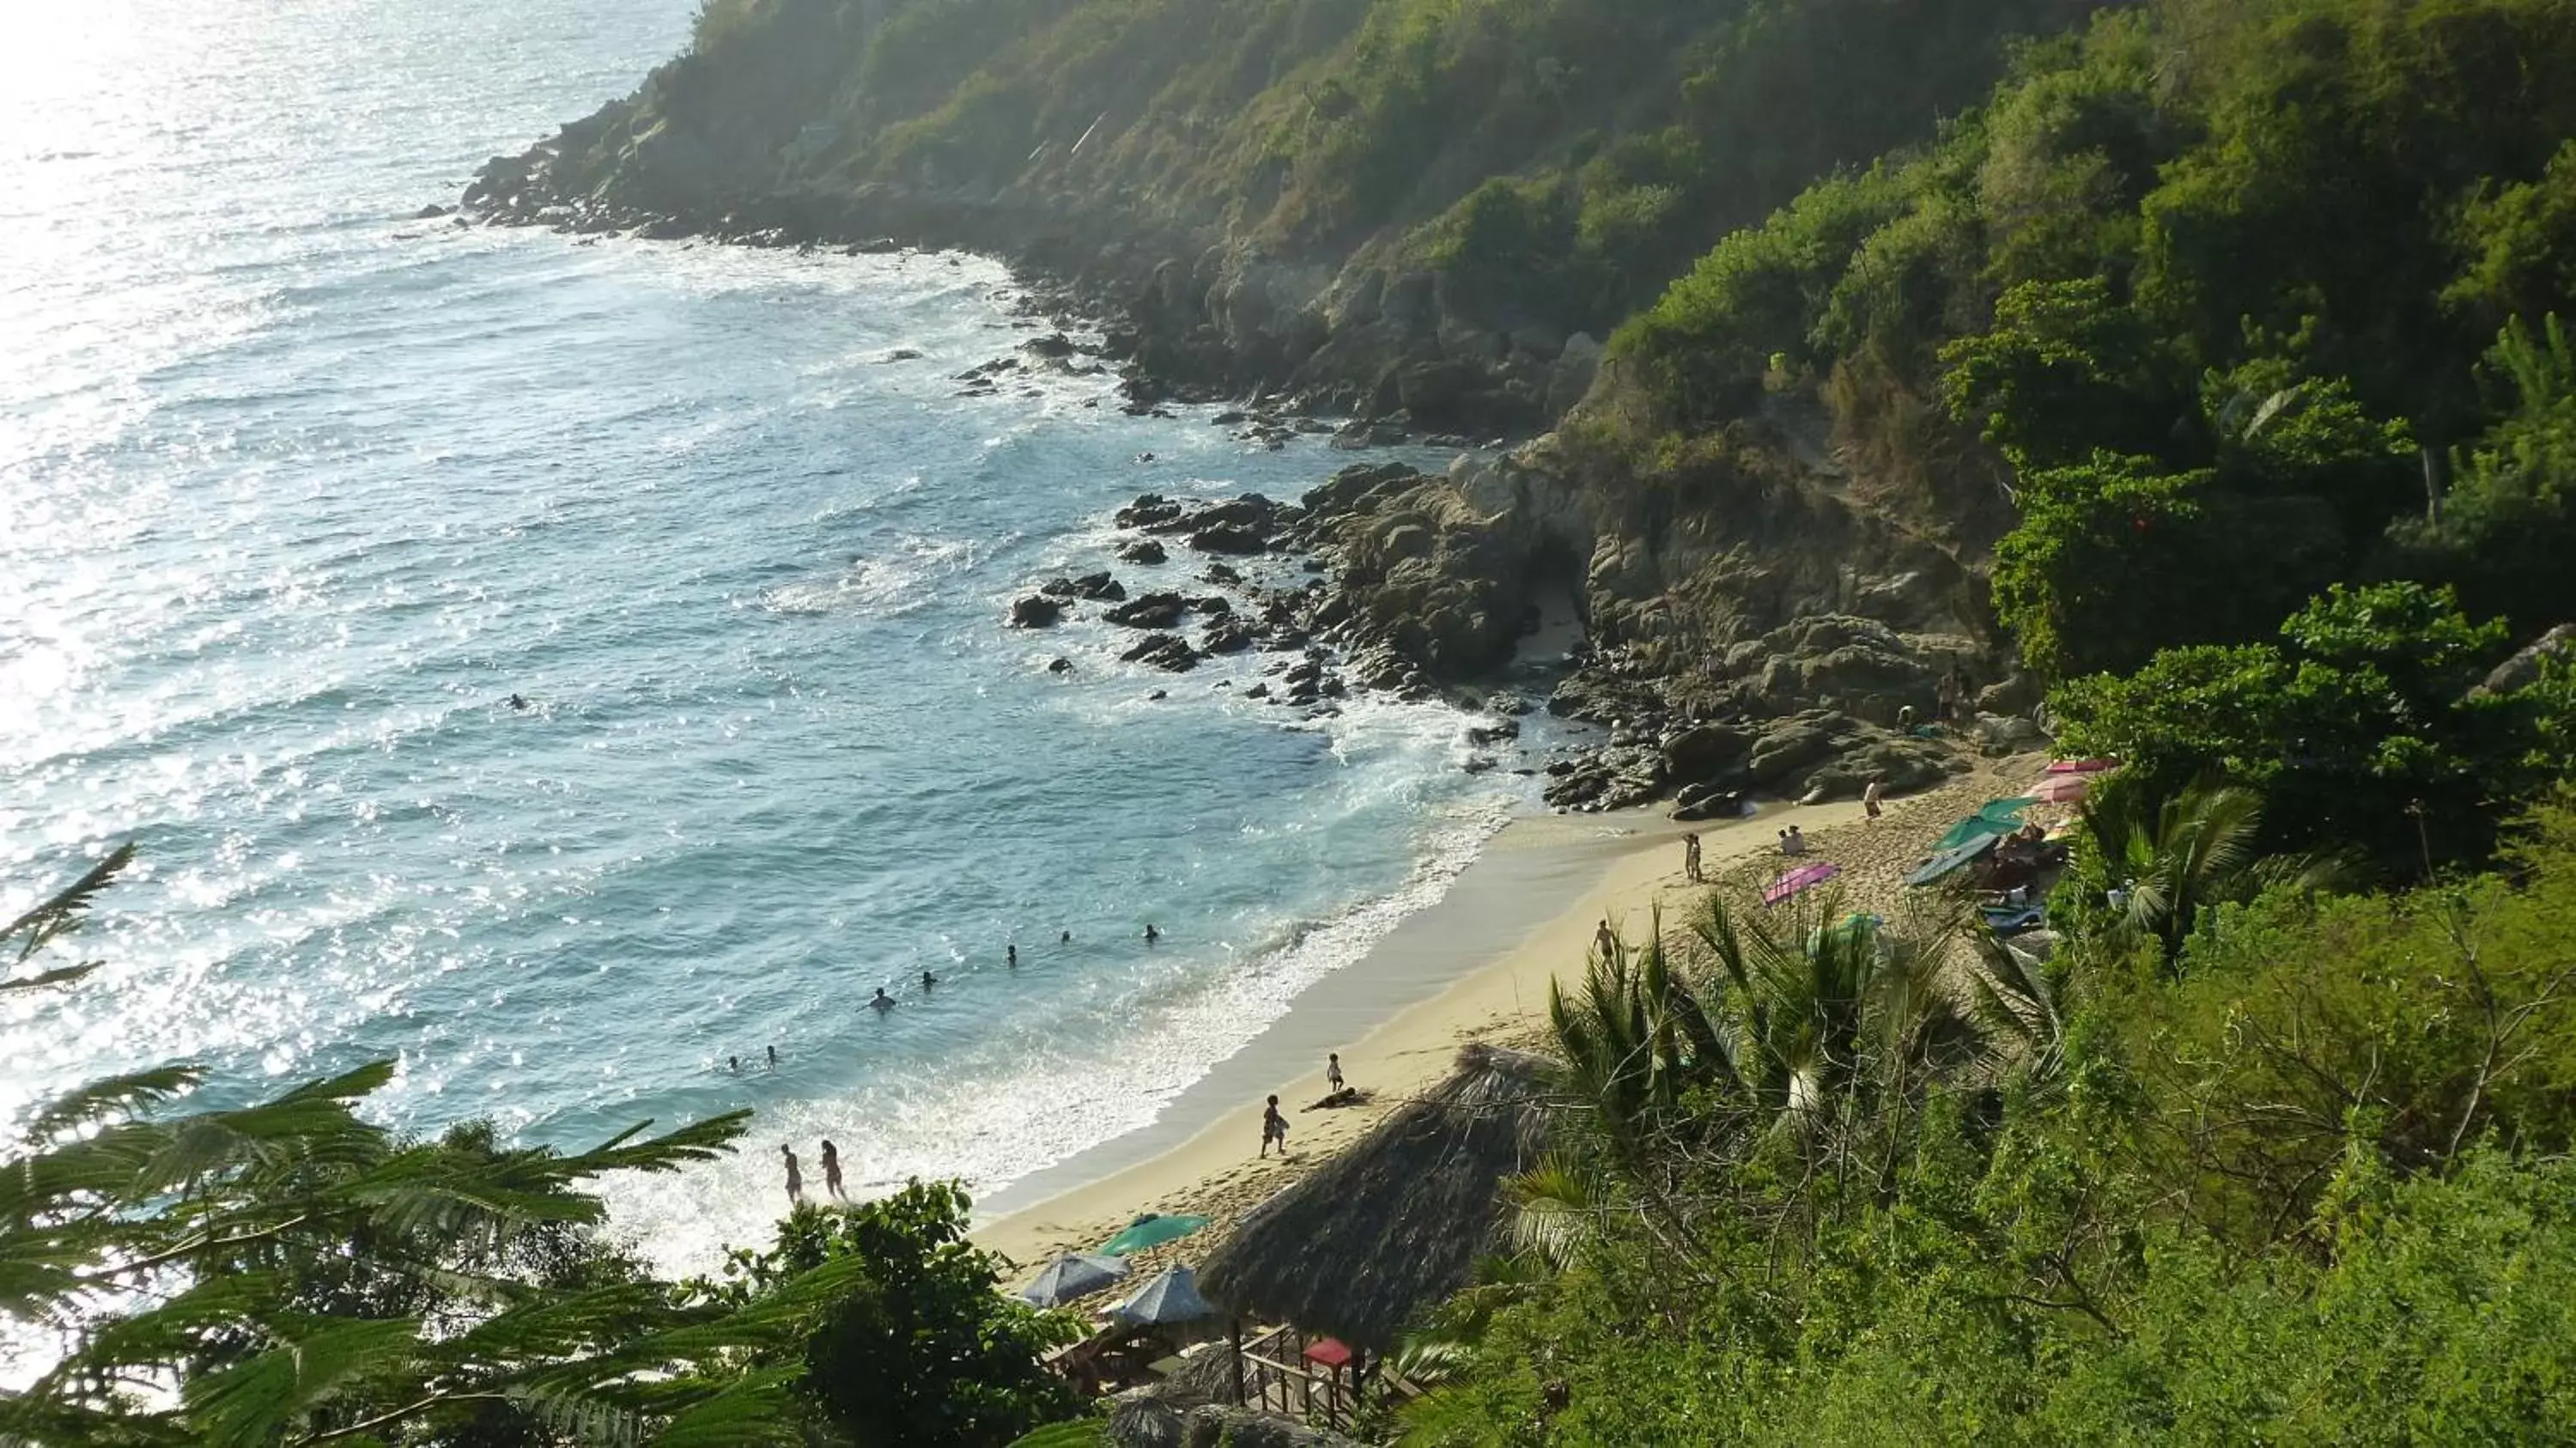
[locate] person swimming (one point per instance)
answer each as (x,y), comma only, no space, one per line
(883,1001)
(734,1064)
(518,701)
(928,980)
(1065,939)
(1011,956)
(773,1055)
(1151,934)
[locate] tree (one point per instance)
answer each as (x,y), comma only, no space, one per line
(288,1274)
(2155,864)
(917,1348)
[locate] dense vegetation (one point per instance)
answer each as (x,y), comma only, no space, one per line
(287,1273)
(1556,161)
(2260,305)
(2293,1171)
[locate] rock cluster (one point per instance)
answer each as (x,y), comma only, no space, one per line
(1710,768)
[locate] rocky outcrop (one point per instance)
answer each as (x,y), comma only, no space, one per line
(2523,669)
(1036,611)
(1098,586)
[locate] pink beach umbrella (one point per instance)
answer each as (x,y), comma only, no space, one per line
(1804,877)
(2061,788)
(2083,766)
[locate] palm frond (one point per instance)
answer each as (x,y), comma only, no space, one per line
(62,912)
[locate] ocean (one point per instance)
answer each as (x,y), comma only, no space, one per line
(300,490)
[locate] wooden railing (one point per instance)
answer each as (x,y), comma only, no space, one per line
(1273,1375)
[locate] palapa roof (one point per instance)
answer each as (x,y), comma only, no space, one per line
(1396,1222)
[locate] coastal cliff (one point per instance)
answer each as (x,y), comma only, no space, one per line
(1426,216)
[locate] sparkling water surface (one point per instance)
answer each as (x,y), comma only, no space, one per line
(300,489)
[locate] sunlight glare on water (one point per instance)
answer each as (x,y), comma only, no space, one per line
(302,487)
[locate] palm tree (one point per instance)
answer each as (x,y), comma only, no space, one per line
(289,1273)
(2157,864)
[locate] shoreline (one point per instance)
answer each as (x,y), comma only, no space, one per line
(1475,965)
(1441,979)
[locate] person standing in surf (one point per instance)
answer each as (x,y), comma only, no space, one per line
(832,1172)
(795,1177)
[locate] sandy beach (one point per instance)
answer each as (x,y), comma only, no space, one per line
(1476,966)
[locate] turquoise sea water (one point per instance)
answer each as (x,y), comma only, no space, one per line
(298,490)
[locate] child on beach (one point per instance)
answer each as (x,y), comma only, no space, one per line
(1274,1127)
(1333,1070)
(1690,858)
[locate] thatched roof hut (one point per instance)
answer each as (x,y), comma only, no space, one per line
(1396,1222)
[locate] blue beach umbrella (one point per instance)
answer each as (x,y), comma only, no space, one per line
(1071,1276)
(1173,1296)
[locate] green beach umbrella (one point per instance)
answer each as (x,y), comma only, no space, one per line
(1151,1230)
(1994,817)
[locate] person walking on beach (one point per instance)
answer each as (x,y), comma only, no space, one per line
(1869,797)
(1690,859)
(1274,1127)
(1604,940)
(832,1172)
(1333,1070)
(795,1177)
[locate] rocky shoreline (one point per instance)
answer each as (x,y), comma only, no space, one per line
(1386,586)
(1772,635)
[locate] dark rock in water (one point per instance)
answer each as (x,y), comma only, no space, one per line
(1482,735)
(1036,611)
(1252,510)
(1230,538)
(1164,651)
(1158,695)
(901,354)
(1152,610)
(1481,764)
(879,246)
(1142,550)
(1054,347)
(1060,666)
(1230,417)
(431,210)
(1507,705)
(1222,575)
(1226,636)
(1214,605)
(1148,511)
(1257,691)
(1095,586)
